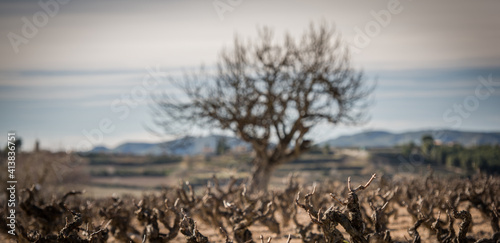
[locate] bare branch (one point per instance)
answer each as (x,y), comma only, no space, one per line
(267,89)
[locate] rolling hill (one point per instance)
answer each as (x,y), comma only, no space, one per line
(184,146)
(388,139)
(208,144)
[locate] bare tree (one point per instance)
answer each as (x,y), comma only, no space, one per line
(271,93)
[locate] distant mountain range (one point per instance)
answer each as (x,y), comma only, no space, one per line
(183,146)
(388,139)
(208,144)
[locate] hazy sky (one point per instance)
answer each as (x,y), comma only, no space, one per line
(67,66)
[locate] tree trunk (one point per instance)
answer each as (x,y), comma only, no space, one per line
(261,175)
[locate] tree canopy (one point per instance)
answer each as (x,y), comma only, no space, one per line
(268,90)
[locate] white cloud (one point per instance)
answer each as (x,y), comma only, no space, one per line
(58,94)
(423,93)
(117,80)
(130,34)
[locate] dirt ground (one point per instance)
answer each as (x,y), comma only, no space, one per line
(398,227)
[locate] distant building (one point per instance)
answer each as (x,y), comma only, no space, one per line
(452,143)
(207,150)
(240,149)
